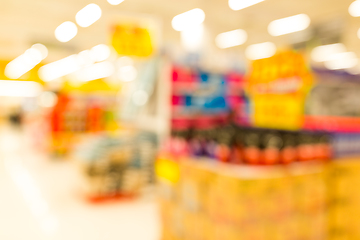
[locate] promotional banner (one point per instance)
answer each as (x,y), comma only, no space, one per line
(132,40)
(277,87)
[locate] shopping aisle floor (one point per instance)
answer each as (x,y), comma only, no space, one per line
(40,199)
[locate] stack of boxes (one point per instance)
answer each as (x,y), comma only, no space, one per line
(214,201)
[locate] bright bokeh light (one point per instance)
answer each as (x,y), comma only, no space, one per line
(84,58)
(42,49)
(324,53)
(59,68)
(11,88)
(124,61)
(188,19)
(66,31)
(192,38)
(354,70)
(100,53)
(241,4)
(47,99)
(260,50)
(77,62)
(88,15)
(231,39)
(342,61)
(354,9)
(358,33)
(115,2)
(289,25)
(26,61)
(93,72)
(127,73)
(140,97)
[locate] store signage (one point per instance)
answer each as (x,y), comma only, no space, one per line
(277,87)
(132,40)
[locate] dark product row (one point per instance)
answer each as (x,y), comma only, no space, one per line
(241,145)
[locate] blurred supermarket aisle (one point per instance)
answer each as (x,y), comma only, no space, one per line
(42,201)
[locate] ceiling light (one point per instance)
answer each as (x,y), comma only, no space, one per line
(88,15)
(75,62)
(124,61)
(354,70)
(25,62)
(188,19)
(231,39)
(324,53)
(115,2)
(354,9)
(59,68)
(100,52)
(260,50)
(66,31)
(127,73)
(84,58)
(342,61)
(192,38)
(47,99)
(289,25)
(42,49)
(11,88)
(140,97)
(94,71)
(241,4)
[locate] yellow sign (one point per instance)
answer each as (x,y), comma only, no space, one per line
(278,111)
(98,85)
(277,87)
(132,40)
(167,169)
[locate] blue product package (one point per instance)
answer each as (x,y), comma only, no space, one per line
(188,100)
(204,77)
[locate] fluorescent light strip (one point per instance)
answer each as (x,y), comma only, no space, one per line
(241,4)
(188,19)
(260,50)
(289,25)
(88,15)
(344,60)
(26,61)
(325,53)
(76,62)
(59,68)
(93,72)
(231,39)
(11,88)
(192,38)
(66,31)
(100,52)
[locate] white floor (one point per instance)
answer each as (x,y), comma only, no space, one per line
(39,199)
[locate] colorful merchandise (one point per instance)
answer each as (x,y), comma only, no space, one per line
(233,144)
(214,201)
(76,114)
(199,94)
(116,166)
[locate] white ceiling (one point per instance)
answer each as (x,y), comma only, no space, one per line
(24,22)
